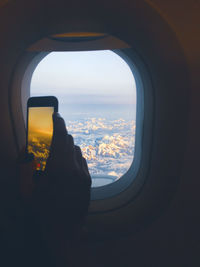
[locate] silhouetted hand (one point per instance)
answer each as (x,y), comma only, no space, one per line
(61,196)
(63,191)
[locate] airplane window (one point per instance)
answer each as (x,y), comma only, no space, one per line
(96,91)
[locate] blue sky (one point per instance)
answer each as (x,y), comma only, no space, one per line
(95,77)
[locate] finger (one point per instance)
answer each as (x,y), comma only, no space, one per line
(29,157)
(58,124)
(70,150)
(25,157)
(59,139)
(78,155)
(85,167)
(70,145)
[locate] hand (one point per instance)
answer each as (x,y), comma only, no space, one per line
(61,196)
(63,192)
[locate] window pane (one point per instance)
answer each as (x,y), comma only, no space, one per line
(97,98)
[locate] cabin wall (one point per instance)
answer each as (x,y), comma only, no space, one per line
(173,238)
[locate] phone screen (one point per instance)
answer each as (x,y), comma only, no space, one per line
(40,131)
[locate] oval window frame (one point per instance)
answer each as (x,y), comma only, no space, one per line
(119,193)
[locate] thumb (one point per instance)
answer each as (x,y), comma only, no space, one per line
(59,134)
(58,124)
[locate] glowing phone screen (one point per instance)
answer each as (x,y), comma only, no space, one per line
(40,130)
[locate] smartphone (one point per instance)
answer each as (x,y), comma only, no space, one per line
(40,128)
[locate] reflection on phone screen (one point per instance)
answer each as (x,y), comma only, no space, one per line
(40,130)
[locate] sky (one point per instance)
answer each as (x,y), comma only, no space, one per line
(40,120)
(97,77)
